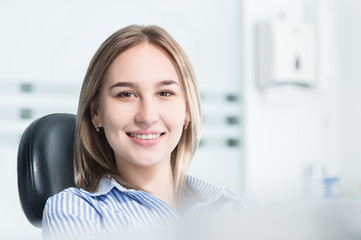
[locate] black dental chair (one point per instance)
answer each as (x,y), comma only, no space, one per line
(45,162)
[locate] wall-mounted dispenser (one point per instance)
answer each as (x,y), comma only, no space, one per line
(285,53)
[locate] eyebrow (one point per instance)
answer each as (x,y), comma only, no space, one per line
(134,85)
(122,84)
(167,83)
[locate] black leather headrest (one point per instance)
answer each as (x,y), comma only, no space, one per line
(45,162)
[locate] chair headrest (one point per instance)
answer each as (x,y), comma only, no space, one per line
(45,162)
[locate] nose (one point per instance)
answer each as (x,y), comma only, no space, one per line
(147,114)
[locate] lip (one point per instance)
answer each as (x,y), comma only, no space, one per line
(145,131)
(146,142)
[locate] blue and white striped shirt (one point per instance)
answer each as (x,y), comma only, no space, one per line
(112,209)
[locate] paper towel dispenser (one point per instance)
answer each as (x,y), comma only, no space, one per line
(285,53)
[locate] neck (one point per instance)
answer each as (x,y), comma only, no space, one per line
(157,180)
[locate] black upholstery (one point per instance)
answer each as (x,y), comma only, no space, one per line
(45,162)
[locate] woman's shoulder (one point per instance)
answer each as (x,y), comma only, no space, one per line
(104,187)
(243,200)
(210,193)
(68,195)
(66,200)
(70,191)
(69,214)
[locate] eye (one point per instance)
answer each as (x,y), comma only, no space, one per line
(125,95)
(165,94)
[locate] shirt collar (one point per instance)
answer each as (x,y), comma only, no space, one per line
(201,190)
(106,185)
(194,188)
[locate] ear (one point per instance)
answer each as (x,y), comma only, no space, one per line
(187,117)
(94,111)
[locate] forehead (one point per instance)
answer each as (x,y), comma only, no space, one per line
(144,63)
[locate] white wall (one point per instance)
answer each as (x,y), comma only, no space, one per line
(349,74)
(288,128)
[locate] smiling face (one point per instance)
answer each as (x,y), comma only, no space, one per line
(141,107)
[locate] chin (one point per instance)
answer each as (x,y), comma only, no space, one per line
(146,162)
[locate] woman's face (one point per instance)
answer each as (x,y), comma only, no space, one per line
(141,107)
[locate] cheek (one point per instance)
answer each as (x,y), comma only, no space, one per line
(114,121)
(175,115)
(114,117)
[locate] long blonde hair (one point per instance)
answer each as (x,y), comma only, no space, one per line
(93,156)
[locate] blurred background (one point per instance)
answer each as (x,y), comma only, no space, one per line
(279,79)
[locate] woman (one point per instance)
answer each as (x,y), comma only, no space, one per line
(137,129)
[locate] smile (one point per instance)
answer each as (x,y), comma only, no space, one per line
(146,139)
(144,136)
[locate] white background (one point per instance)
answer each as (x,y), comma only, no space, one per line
(286,129)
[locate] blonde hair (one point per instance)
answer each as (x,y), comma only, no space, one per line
(93,156)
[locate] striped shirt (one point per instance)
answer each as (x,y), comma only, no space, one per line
(112,209)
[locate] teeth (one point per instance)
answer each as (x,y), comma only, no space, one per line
(145,136)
